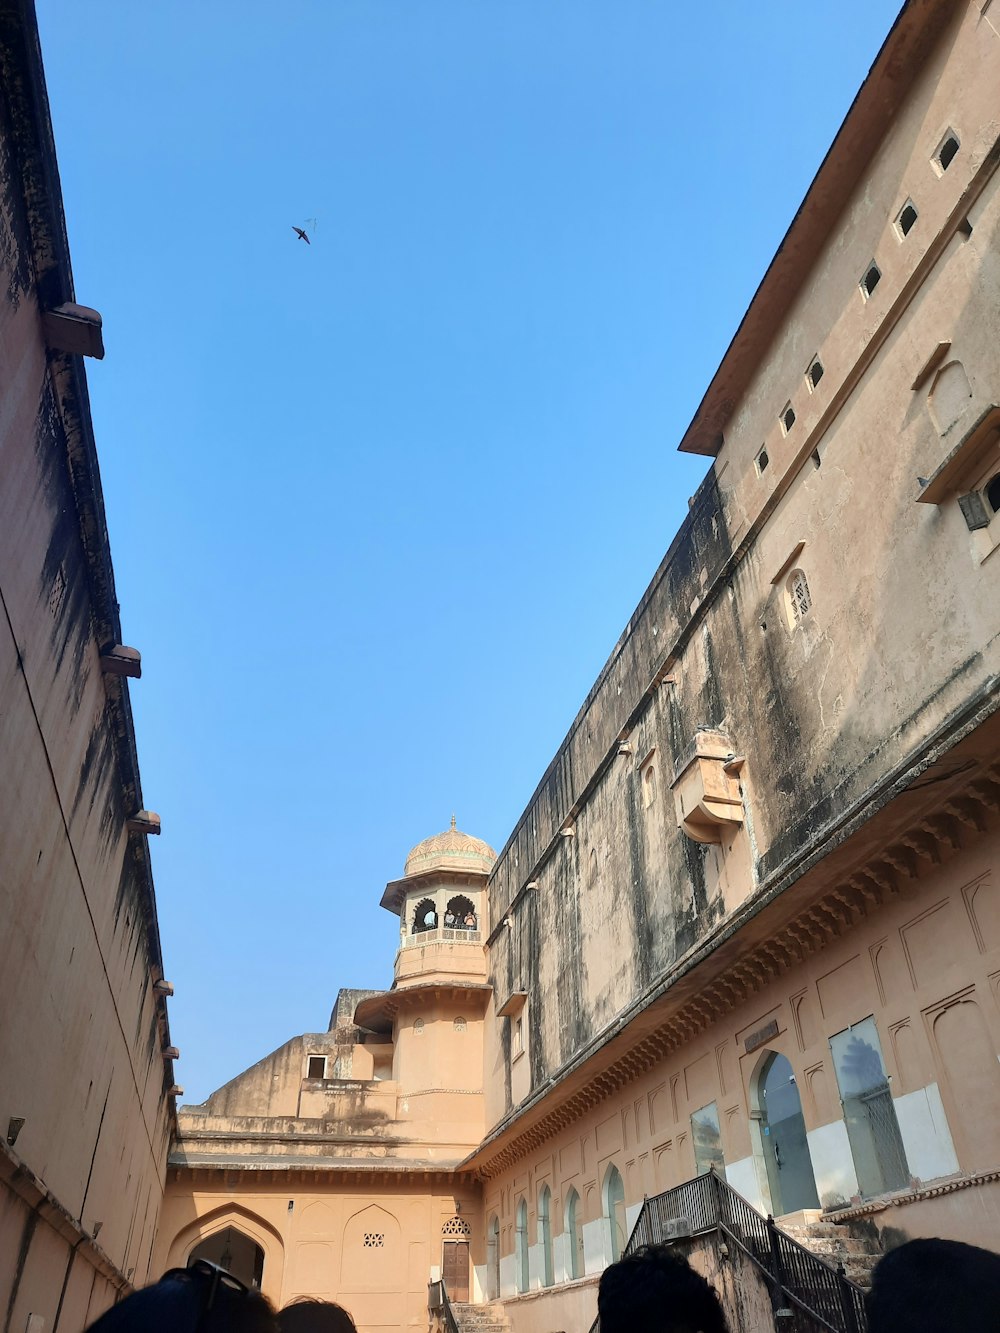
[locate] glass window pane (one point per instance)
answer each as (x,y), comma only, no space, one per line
(707,1139)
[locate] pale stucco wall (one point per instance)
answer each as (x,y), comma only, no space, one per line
(312,1231)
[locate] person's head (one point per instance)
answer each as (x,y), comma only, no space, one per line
(655,1290)
(935,1286)
(307,1316)
(199,1299)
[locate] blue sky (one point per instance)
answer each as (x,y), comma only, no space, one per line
(380,506)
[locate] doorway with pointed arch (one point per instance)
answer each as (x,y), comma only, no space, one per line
(234,1251)
(777,1108)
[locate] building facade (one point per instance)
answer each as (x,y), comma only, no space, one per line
(86,1107)
(748,920)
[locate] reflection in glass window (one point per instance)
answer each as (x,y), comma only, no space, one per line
(869,1113)
(707,1138)
(574,1231)
(614,1211)
(521,1245)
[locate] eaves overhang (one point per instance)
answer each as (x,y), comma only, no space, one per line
(890,79)
(378,1011)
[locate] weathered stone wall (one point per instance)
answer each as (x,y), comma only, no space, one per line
(82,1032)
(901,643)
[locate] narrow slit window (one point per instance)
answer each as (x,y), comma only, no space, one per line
(993,494)
(815,372)
(907,217)
(761,461)
(872,278)
(945,155)
(787,418)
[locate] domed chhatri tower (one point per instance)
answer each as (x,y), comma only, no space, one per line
(442,905)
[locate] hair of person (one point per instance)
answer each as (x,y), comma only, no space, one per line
(176,1304)
(311,1316)
(935,1286)
(655,1290)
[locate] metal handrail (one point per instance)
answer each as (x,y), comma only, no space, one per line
(437,1299)
(809,1292)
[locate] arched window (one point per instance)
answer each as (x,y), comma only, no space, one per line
(545,1233)
(574,1235)
(424,916)
(649,784)
(493,1259)
(799,596)
(614,1211)
(992,494)
(460,914)
(521,1245)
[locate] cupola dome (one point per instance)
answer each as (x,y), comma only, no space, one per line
(451,850)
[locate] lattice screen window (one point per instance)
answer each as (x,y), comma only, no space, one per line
(455,1226)
(799,596)
(374,1240)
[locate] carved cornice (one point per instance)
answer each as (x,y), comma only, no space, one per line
(889,875)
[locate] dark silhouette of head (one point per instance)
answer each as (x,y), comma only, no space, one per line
(935,1286)
(199,1299)
(655,1290)
(306,1316)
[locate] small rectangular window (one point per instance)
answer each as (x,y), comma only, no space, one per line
(787,417)
(872,278)
(907,217)
(518,1041)
(761,461)
(946,151)
(317,1066)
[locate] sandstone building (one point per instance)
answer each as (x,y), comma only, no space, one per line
(86,1107)
(748,920)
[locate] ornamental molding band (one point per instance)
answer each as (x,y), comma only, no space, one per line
(887,877)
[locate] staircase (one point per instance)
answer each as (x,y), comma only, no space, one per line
(489,1318)
(833,1242)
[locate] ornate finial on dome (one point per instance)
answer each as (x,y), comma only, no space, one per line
(453,821)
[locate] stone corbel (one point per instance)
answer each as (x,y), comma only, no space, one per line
(707,789)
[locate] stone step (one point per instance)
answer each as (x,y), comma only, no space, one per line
(798,1229)
(838,1245)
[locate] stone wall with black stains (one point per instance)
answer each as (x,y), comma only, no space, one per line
(82,1071)
(835,701)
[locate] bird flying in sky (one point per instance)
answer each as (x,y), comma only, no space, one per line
(301,233)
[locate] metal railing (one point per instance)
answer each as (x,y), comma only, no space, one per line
(438,1302)
(807,1293)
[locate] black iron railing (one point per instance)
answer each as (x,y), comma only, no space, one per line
(437,1301)
(807,1293)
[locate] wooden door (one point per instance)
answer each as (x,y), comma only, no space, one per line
(455,1269)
